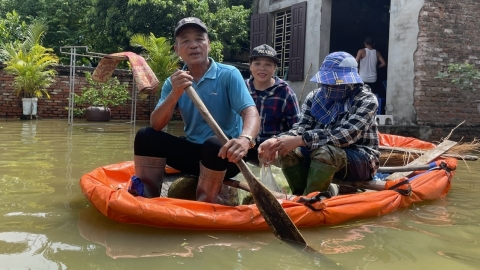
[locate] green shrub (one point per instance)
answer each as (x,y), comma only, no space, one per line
(109,94)
(464,75)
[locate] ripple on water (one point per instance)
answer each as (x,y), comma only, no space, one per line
(465,256)
(434,215)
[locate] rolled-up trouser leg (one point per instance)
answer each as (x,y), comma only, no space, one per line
(325,162)
(150,170)
(295,170)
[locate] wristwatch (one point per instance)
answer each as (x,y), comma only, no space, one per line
(252,141)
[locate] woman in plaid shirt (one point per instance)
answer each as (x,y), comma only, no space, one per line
(276,102)
(336,135)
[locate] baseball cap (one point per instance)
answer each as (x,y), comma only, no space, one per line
(189,21)
(264,51)
(338,68)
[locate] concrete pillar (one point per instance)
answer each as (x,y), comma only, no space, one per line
(402,46)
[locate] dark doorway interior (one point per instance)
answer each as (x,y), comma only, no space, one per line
(353,21)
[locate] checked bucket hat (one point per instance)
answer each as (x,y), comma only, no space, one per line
(338,68)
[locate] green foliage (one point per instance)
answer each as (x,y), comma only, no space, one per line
(216,51)
(464,75)
(30,63)
(159,54)
(109,94)
(228,24)
(106,26)
(12,29)
(65,20)
(245,3)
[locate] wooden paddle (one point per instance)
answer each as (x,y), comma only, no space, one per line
(407,168)
(271,210)
(429,156)
(417,164)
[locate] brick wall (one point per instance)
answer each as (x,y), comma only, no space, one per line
(11,106)
(448,34)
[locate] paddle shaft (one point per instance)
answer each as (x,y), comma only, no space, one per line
(404,168)
(271,210)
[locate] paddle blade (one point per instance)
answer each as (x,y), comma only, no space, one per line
(271,210)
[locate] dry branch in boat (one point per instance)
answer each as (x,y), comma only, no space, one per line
(398,156)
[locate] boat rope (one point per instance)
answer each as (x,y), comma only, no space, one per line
(408,190)
(402,191)
(405,191)
(317,198)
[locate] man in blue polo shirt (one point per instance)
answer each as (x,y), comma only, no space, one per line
(222,89)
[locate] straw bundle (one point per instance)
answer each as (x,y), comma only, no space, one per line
(393,156)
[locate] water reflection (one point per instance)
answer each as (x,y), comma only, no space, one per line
(134,241)
(27,250)
(346,238)
(47,223)
(29,130)
(68,161)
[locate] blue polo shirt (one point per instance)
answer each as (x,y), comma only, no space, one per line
(225,95)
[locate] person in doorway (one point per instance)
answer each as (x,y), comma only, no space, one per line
(370,60)
(276,102)
(222,89)
(336,135)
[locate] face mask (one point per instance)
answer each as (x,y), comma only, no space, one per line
(329,102)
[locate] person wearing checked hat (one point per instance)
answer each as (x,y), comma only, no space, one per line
(336,136)
(276,102)
(200,153)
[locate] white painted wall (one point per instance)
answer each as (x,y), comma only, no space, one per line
(402,46)
(317,36)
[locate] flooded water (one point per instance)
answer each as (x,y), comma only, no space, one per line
(47,223)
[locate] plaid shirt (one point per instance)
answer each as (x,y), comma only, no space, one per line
(277,107)
(355,128)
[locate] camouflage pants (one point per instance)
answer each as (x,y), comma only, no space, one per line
(327,154)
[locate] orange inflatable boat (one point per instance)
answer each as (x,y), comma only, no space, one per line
(107,189)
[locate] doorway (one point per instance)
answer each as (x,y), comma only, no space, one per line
(352,21)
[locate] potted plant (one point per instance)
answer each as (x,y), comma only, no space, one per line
(31,64)
(96,98)
(464,75)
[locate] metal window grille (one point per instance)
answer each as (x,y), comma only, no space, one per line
(281,40)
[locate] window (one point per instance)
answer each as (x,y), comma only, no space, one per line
(281,41)
(288,38)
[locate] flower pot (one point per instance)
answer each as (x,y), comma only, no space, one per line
(97,114)
(29,106)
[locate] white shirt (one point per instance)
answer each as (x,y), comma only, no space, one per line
(368,66)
